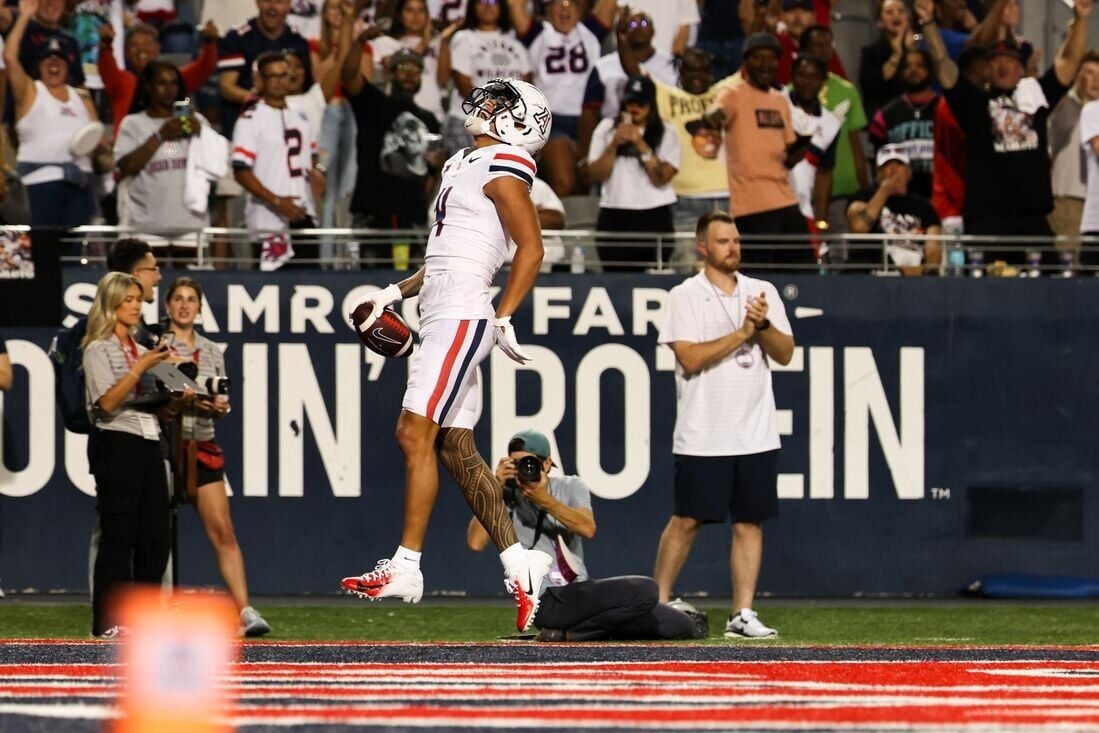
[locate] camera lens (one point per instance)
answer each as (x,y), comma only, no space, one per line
(529,469)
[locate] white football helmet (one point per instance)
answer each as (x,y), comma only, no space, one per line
(511,111)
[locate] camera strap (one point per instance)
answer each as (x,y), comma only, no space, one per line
(539,528)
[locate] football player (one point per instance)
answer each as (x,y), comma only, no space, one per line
(483,207)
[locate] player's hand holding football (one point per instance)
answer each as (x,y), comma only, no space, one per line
(505,339)
(378,299)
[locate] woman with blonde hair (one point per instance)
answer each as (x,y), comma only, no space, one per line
(207,489)
(131,484)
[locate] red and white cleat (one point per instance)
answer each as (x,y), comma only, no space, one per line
(525,583)
(387,580)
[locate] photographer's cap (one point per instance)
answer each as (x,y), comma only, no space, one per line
(531,441)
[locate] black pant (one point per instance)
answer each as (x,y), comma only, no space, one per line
(612,608)
(624,255)
(1021,225)
(132,502)
(762,253)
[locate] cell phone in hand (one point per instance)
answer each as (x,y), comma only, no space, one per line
(167,339)
(182,108)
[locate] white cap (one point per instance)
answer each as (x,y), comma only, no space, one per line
(892,152)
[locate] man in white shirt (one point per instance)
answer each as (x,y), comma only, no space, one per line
(724,328)
(274,150)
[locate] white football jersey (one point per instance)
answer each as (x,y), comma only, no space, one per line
(467,243)
(562,62)
(611,77)
(278,146)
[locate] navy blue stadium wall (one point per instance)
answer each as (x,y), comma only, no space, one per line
(934,431)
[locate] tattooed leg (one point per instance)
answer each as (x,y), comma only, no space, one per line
(480,487)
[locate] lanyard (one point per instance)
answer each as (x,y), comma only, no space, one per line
(130,354)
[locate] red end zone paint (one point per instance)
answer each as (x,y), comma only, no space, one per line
(690,695)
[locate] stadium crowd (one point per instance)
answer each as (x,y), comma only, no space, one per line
(165,116)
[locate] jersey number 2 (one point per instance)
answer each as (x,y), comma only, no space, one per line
(293,147)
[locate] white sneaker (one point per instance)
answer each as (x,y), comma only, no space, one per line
(746,625)
(387,580)
(252,624)
(114,633)
(525,583)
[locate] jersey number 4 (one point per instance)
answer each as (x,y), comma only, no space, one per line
(440,209)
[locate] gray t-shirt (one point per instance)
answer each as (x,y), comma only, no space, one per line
(211,363)
(154,197)
(105,363)
(565,547)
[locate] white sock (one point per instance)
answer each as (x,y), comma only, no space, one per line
(406,558)
(512,556)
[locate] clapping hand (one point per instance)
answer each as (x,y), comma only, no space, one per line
(757,309)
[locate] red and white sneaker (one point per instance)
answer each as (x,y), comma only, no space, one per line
(525,583)
(387,580)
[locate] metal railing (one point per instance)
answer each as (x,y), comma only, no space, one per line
(584,250)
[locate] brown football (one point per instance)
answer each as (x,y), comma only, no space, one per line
(389,335)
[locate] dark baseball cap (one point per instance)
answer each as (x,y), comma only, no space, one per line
(404,56)
(1010,47)
(756,41)
(52,47)
(797,5)
(640,90)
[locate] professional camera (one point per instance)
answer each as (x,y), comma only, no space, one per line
(217,385)
(529,469)
(213,385)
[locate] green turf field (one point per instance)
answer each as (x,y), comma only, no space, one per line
(981,623)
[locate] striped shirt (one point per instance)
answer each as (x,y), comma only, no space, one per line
(211,363)
(105,364)
(727,409)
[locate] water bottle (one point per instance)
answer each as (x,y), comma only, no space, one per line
(976,263)
(578,263)
(1033,263)
(955,260)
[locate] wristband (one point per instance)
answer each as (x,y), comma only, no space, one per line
(135,374)
(646,156)
(158,137)
(765,325)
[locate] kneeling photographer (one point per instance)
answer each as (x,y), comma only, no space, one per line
(553,514)
(200,474)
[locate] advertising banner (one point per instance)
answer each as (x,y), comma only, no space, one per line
(933,431)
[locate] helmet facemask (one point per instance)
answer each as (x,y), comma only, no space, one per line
(499,110)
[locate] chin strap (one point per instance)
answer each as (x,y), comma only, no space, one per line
(476,126)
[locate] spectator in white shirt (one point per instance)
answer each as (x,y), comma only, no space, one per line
(635,158)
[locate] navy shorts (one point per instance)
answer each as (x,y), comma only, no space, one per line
(716,488)
(565,126)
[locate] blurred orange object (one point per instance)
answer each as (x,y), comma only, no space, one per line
(176,659)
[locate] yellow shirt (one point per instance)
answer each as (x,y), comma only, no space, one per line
(697,176)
